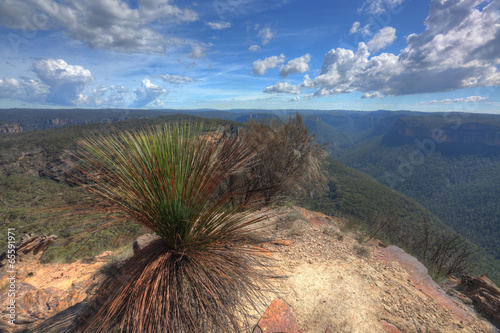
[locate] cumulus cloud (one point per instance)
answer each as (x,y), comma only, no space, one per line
(283,88)
(176,79)
(354,28)
(32,90)
(60,83)
(104,24)
(383,38)
(9,87)
(297,65)
(460,48)
(266,35)
(219,25)
(254,48)
(147,93)
(198,52)
(66,82)
(379,6)
(107,96)
(375,94)
(260,67)
(295,99)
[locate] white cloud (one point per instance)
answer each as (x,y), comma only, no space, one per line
(354,28)
(383,38)
(33,90)
(9,87)
(460,48)
(254,48)
(266,34)
(295,99)
(117,95)
(63,84)
(283,88)
(474,99)
(297,65)
(67,82)
(379,6)
(147,93)
(107,96)
(104,24)
(366,30)
(198,52)
(219,25)
(307,82)
(260,67)
(470,99)
(375,94)
(176,79)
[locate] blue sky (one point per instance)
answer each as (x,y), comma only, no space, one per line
(233,54)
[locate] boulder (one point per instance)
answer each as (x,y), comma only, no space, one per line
(142,241)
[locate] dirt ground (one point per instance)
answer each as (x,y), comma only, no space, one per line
(333,281)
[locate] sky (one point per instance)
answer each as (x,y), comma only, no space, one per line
(438,55)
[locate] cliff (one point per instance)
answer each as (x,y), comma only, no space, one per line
(10,128)
(473,131)
(334,283)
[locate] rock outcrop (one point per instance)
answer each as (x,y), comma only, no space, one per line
(10,128)
(28,252)
(42,291)
(331,285)
(485,295)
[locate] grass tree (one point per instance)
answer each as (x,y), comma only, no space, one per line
(204,273)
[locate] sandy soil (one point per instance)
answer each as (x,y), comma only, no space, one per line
(333,281)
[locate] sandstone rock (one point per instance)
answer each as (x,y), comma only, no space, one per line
(27,256)
(389,328)
(485,295)
(142,241)
(10,128)
(30,248)
(283,242)
(277,318)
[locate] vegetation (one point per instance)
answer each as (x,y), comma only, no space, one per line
(287,157)
(463,190)
(459,187)
(32,179)
(205,271)
(397,219)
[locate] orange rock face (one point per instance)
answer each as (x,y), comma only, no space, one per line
(277,318)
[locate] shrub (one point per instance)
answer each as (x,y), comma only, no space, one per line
(205,273)
(287,159)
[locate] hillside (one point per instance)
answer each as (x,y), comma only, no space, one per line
(31,185)
(334,282)
(457,179)
(31,168)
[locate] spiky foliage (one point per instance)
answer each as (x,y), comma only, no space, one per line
(204,273)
